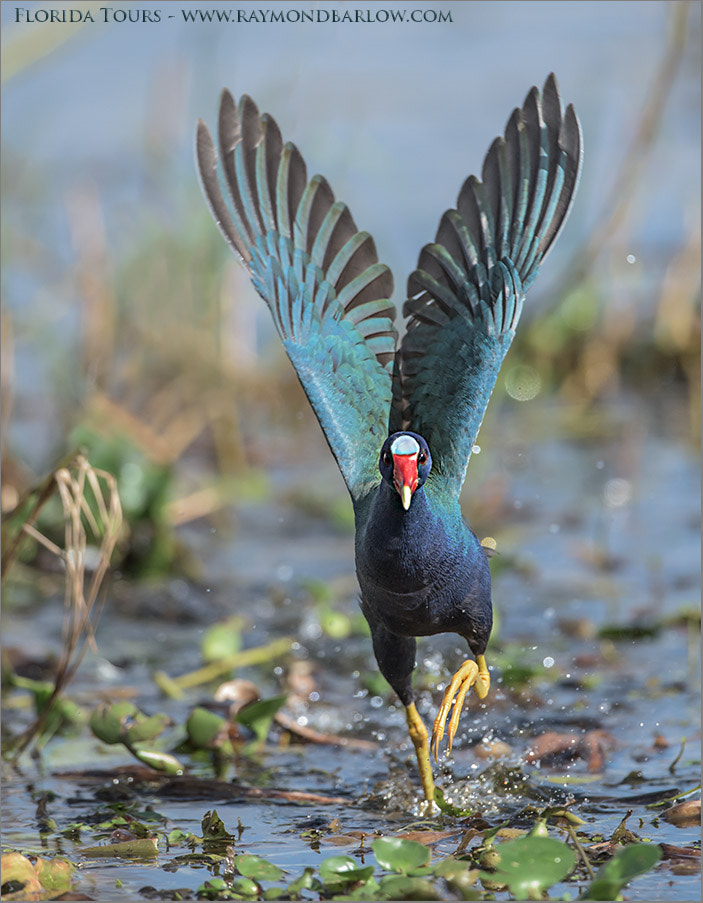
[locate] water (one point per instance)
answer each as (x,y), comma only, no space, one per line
(633,689)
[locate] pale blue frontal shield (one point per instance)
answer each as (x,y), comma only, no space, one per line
(405,445)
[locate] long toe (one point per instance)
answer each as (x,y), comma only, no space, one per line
(459,686)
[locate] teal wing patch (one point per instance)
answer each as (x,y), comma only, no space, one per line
(466,295)
(319,275)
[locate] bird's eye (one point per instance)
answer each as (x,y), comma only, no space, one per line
(386,458)
(422,458)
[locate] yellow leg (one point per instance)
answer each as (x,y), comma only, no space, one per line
(418,734)
(470,674)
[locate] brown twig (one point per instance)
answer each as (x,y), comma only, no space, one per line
(307,733)
(77,483)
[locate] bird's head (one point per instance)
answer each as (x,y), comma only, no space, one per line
(405,464)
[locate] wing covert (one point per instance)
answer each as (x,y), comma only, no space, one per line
(319,275)
(467,293)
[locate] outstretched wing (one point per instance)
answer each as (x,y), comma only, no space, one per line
(319,275)
(465,298)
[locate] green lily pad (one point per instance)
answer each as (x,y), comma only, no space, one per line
(339,871)
(628,863)
(530,865)
(399,855)
(257,868)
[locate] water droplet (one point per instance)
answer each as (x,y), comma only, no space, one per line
(376,702)
(476,449)
(284,572)
(630,258)
(617,492)
(523,382)
(548,662)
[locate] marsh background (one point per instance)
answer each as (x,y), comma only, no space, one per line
(130,332)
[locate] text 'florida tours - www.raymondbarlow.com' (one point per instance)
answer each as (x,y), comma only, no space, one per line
(230,15)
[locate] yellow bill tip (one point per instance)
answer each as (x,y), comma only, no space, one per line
(405,496)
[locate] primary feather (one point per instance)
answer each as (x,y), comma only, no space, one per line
(329,295)
(319,275)
(467,293)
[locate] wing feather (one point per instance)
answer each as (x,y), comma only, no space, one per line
(327,292)
(467,293)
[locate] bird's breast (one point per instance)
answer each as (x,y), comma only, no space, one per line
(415,570)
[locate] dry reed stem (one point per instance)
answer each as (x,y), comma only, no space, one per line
(92,509)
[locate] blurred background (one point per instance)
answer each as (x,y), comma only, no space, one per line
(130,333)
(125,317)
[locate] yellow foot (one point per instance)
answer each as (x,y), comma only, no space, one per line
(418,734)
(470,674)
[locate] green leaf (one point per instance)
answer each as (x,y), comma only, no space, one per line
(214,830)
(626,864)
(400,855)
(213,889)
(146,728)
(108,721)
(245,886)
(126,849)
(204,728)
(530,865)
(450,866)
(304,882)
(260,869)
(339,871)
(400,887)
(122,722)
(259,715)
(54,874)
(222,640)
(18,872)
(160,761)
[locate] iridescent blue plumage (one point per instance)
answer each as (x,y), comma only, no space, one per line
(421,569)
(319,275)
(467,293)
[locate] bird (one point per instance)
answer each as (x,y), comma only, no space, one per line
(401,415)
